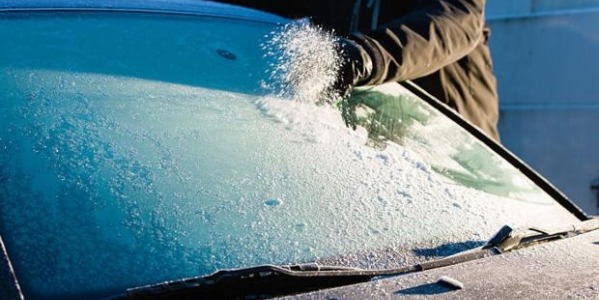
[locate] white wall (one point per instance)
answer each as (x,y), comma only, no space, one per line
(547,65)
(499,8)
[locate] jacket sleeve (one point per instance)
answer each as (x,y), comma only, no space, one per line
(435,34)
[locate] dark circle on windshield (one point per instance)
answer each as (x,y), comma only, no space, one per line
(226,54)
(273,202)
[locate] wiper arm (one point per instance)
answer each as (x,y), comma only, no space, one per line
(508,239)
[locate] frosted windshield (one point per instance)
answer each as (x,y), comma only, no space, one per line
(139,148)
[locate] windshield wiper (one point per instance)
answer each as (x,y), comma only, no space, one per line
(255,282)
(269,280)
(508,239)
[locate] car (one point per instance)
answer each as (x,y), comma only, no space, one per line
(144,156)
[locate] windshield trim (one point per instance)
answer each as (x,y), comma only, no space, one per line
(178,7)
(503,152)
(8,280)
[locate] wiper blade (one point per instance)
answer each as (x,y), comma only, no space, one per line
(255,282)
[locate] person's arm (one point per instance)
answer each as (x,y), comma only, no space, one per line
(437,33)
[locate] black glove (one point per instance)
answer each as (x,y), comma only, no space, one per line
(356,67)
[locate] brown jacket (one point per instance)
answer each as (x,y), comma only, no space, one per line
(441,45)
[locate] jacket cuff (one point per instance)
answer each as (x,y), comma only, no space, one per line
(373,54)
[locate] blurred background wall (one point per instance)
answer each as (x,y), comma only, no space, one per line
(546,58)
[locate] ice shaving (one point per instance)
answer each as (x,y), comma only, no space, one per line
(304,61)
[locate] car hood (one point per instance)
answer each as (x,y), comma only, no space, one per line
(556,270)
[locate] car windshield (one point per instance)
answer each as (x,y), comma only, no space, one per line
(141,147)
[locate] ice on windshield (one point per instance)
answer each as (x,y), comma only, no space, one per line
(117,174)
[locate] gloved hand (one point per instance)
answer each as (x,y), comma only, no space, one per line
(356,67)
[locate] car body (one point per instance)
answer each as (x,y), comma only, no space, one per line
(142,158)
